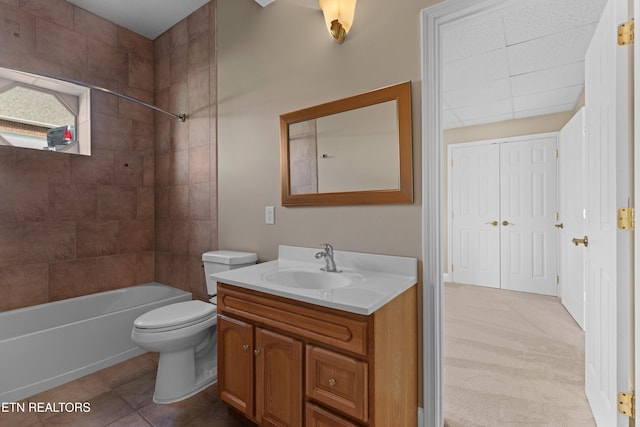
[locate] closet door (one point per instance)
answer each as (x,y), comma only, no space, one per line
(572,211)
(528,203)
(475,207)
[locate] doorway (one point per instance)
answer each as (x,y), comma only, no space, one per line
(434,19)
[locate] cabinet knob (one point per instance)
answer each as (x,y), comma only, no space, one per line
(332,382)
(256,352)
(245,347)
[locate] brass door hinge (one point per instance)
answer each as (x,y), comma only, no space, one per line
(626,33)
(627,218)
(627,404)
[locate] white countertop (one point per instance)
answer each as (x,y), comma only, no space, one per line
(375,279)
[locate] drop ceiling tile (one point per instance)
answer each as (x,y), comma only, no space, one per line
(544,62)
(479,94)
(542,18)
(551,98)
(483,121)
(472,38)
(550,51)
(473,70)
(449,120)
(552,78)
(490,109)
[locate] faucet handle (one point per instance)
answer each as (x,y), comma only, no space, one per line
(328,248)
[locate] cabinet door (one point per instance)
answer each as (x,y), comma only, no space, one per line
(235,364)
(278,380)
(318,417)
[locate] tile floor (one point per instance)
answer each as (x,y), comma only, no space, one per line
(121,396)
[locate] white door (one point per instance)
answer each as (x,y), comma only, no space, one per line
(475,211)
(503,209)
(571,200)
(528,188)
(608,260)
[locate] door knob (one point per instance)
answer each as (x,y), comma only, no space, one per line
(584,241)
(505,223)
(561,225)
(494,223)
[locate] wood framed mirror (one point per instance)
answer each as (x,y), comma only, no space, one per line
(355,150)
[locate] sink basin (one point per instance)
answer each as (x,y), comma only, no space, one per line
(307,279)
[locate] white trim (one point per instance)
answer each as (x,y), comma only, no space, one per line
(445,277)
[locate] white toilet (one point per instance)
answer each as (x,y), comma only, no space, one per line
(184,334)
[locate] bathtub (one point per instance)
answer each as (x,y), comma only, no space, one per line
(46,345)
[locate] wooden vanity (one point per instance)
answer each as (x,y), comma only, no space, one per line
(283,362)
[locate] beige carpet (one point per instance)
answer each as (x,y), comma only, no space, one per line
(511,359)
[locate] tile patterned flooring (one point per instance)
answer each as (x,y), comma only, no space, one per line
(121,396)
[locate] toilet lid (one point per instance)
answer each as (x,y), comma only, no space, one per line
(176,314)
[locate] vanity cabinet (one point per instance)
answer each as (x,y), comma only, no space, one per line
(270,361)
(283,362)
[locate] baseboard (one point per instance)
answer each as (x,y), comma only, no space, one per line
(445,277)
(420,417)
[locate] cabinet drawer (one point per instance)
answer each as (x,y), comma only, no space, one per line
(338,381)
(317,417)
(342,330)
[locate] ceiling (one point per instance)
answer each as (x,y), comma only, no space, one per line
(522,61)
(519,62)
(149,18)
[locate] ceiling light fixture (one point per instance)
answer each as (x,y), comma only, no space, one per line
(338,14)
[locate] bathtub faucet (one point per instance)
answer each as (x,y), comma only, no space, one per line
(327,254)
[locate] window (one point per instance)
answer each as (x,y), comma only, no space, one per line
(43,113)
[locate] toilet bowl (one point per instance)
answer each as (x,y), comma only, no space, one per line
(184,334)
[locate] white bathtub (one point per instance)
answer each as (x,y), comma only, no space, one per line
(46,345)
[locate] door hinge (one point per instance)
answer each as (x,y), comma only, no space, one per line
(627,404)
(557,280)
(452,268)
(626,33)
(627,218)
(557,153)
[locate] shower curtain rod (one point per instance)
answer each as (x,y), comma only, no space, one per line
(181,117)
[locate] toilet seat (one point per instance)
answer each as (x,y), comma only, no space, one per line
(175,316)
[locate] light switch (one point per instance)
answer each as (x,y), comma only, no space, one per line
(269,215)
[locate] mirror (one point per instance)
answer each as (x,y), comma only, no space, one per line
(44,113)
(356,150)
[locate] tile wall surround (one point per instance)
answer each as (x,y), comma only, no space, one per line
(185,153)
(75,225)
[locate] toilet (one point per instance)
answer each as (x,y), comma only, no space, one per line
(184,334)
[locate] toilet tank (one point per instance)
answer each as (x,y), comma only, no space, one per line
(218,261)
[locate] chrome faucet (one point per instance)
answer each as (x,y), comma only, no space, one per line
(327,254)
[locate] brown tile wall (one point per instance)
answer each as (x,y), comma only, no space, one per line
(185,153)
(74,225)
